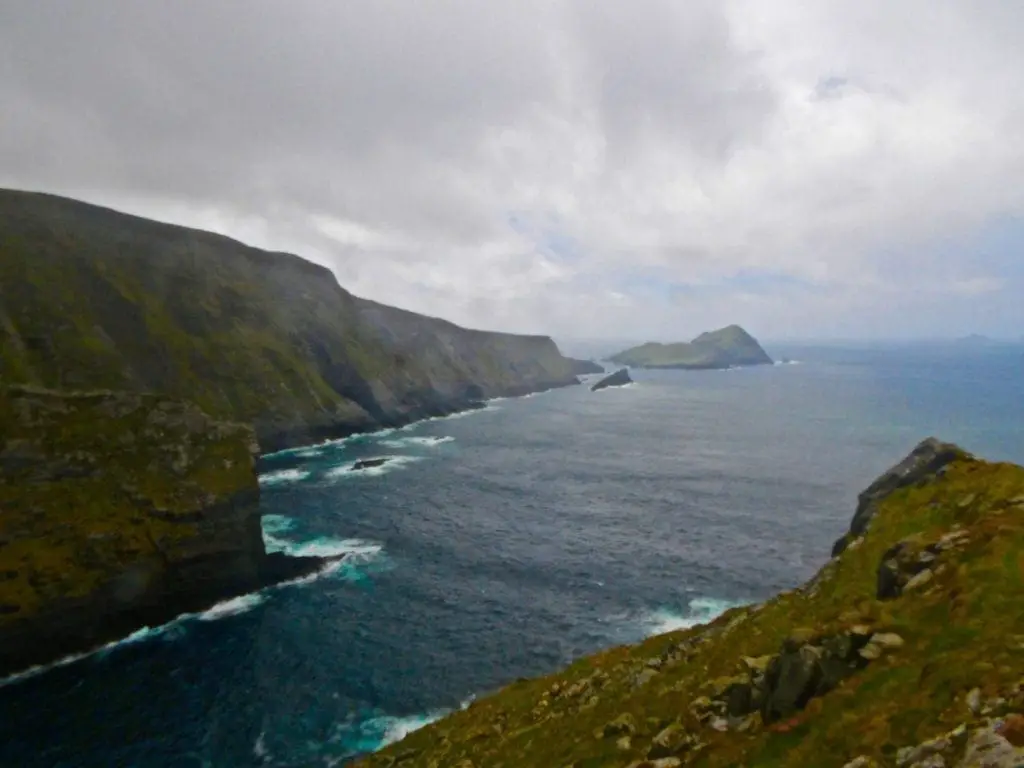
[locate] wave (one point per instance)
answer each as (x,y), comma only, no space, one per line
(233,607)
(425,441)
(284,476)
(358,555)
(392,463)
(701,611)
(382,730)
(172,630)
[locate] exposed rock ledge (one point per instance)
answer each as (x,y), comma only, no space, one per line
(121,511)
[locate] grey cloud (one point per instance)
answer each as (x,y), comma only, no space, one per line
(391,140)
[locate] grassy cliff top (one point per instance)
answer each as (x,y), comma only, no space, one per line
(713,349)
(93,481)
(905,650)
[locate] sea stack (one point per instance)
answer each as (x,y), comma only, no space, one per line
(618,379)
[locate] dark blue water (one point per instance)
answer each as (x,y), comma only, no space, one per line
(506,542)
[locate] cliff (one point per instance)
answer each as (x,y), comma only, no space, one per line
(95,299)
(724,348)
(119,511)
(905,651)
(584,367)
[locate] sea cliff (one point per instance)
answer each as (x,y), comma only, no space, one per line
(93,298)
(117,511)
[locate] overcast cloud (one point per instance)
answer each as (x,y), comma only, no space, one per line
(581,168)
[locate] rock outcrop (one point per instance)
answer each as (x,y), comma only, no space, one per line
(618,379)
(118,511)
(725,348)
(906,650)
(928,459)
(95,299)
(585,367)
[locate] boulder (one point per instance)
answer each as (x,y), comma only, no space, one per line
(368,464)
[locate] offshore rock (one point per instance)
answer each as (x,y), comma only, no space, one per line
(618,379)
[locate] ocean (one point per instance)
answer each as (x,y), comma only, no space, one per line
(506,542)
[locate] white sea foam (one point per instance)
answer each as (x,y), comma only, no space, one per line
(393,462)
(701,611)
(233,607)
(283,476)
(392,729)
(172,630)
(414,440)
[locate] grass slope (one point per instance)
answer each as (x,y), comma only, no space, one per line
(92,298)
(826,675)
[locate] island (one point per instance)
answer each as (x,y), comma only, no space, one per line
(905,650)
(618,379)
(727,347)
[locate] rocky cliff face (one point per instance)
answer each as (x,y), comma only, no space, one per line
(905,651)
(91,298)
(118,511)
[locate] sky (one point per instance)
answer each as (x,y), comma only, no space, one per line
(583,168)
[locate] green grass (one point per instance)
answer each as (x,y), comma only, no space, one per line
(104,480)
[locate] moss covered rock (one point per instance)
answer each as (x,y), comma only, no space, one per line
(117,510)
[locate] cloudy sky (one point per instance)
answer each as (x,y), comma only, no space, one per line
(586,168)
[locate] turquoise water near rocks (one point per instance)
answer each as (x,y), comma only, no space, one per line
(504,543)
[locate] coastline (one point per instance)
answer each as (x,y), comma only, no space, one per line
(345,430)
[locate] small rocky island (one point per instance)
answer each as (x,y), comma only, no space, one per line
(725,348)
(618,379)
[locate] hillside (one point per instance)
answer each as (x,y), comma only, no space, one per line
(723,348)
(93,298)
(905,651)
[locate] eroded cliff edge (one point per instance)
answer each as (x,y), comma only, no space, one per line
(118,511)
(906,650)
(91,298)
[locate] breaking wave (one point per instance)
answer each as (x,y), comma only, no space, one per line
(283,476)
(424,441)
(393,462)
(701,611)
